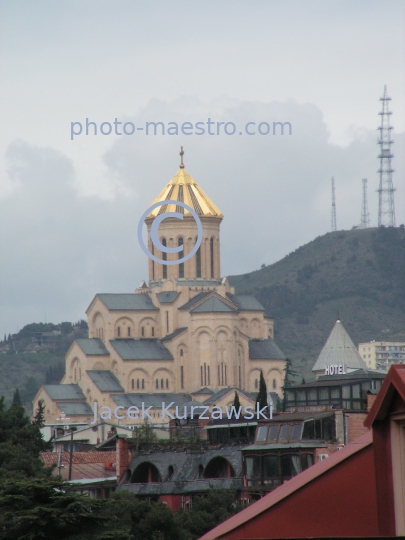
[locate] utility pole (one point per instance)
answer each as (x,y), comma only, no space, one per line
(71,454)
(365,216)
(386,207)
(333,206)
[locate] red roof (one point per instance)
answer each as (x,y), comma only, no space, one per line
(393,382)
(49,458)
(287,489)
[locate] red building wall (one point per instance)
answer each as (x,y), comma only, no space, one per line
(340,502)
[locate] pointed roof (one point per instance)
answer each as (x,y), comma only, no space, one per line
(184,188)
(339,349)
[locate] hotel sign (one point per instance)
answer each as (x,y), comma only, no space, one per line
(335,369)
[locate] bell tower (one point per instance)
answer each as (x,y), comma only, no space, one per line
(174,232)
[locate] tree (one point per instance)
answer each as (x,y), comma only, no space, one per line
(16,398)
(236,402)
(262,395)
(39,418)
(289,376)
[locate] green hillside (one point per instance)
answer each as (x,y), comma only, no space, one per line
(359,274)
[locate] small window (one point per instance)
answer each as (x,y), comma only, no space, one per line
(182,376)
(170,472)
(119,331)
(157,384)
(256,383)
(273,432)
(274,383)
(296,432)
(129,331)
(161,384)
(181,352)
(167,384)
(137,384)
(143,384)
(261,433)
(142,331)
(132,384)
(153,331)
(284,432)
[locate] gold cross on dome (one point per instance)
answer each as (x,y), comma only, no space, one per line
(181,155)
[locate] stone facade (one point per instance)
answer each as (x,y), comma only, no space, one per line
(184,331)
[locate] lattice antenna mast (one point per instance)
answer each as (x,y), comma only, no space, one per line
(333,206)
(365,216)
(386,208)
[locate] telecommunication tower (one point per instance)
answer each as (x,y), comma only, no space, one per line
(333,206)
(386,208)
(365,216)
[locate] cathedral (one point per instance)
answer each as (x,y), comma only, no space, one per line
(183,336)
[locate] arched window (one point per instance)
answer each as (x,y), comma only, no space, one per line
(164,257)
(212,256)
(129,331)
(132,384)
(161,384)
(274,383)
(181,352)
(142,331)
(143,384)
(119,331)
(256,383)
(153,331)
(167,384)
(157,384)
(75,375)
(137,384)
(198,262)
(182,376)
(170,472)
(181,255)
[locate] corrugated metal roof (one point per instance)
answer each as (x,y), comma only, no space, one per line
(151,400)
(141,349)
(339,349)
(174,334)
(127,302)
(167,297)
(194,300)
(265,349)
(246,302)
(74,408)
(92,347)
(211,305)
(178,488)
(105,380)
(64,391)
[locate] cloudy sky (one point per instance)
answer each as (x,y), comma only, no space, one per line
(70,208)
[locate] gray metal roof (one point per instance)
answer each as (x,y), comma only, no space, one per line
(213,304)
(246,302)
(150,400)
(64,391)
(194,300)
(93,346)
(220,393)
(193,486)
(127,302)
(174,334)
(339,349)
(265,349)
(204,390)
(141,349)
(71,409)
(356,374)
(105,380)
(167,297)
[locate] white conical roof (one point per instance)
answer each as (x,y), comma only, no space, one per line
(339,349)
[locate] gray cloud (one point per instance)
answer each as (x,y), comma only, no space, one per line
(60,248)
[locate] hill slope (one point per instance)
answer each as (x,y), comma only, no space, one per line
(359,274)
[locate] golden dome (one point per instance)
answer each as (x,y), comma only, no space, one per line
(183,188)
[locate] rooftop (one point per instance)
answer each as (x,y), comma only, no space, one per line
(141,349)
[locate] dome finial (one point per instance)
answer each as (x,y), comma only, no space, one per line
(181,155)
